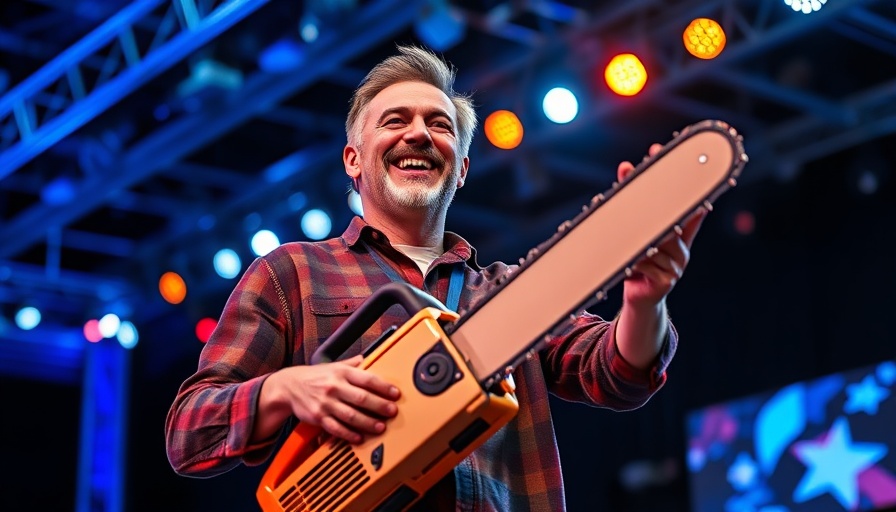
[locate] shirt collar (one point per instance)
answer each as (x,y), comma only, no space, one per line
(454,243)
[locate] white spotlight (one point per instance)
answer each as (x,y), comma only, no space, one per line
(316,224)
(227,263)
(27,318)
(264,242)
(109,325)
(560,105)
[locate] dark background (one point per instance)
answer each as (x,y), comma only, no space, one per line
(809,291)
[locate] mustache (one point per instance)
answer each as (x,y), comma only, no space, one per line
(427,152)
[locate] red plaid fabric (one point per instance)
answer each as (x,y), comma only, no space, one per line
(292,299)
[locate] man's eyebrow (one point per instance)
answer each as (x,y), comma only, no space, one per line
(404,110)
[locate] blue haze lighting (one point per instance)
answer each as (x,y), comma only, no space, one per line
(28,318)
(440,28)
(281,56)
(316,224)
(227,263)
(297,201)
(264,242)
(560,105)
(59,191)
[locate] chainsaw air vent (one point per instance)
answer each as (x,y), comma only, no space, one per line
(329,484)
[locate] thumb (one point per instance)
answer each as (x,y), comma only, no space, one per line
(354,361)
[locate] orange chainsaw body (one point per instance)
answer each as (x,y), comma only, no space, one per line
(430,435)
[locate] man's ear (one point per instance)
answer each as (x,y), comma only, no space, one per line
(351,159)
(464,166)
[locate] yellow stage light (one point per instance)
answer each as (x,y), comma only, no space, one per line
(503,129)
(625,74)
(704,38)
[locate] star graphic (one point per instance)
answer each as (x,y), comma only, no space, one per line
(865,396)
(834,463)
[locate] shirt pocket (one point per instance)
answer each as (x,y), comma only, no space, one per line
(327,314)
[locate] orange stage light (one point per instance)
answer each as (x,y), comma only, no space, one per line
(704,38)
(172,287)
(503,129)
(625,74)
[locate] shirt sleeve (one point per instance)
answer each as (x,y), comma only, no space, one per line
(583,364)
(209,424)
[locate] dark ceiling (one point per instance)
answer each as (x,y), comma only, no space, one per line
(170,141)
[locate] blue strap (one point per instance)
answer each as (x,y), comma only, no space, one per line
(455,286)
(455,283)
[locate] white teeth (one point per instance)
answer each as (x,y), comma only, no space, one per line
(404,163)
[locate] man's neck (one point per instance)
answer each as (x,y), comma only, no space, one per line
(417,229)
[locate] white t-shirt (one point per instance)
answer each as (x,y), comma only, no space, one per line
(422,256)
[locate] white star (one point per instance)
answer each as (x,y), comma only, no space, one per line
(834,463)
(865,396)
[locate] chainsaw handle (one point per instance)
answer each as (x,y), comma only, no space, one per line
(410,298)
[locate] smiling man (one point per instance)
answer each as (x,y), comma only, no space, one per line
(409,135)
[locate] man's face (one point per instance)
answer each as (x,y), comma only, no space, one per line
(408,153)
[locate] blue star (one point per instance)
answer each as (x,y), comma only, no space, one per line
(865,396)
(834,463)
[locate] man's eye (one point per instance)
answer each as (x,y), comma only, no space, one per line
(392,120)
(442,125)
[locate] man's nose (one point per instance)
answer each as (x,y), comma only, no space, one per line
(418,133)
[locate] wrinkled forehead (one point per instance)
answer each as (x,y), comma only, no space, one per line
(415,97)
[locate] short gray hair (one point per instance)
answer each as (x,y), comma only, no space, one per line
(412,64)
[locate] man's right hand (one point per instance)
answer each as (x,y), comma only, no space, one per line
(343,399)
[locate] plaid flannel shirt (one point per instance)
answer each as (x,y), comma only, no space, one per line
(289,301)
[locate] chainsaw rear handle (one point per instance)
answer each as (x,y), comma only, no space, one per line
(410,298)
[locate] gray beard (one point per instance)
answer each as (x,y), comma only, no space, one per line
(418,195)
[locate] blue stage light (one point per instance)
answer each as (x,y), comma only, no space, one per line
(227,263)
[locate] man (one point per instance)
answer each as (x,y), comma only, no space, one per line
(408,135)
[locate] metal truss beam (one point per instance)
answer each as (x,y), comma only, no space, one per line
(128,67)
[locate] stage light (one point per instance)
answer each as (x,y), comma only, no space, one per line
(172,287)
(704,38)
(316,224)
(308,27)
(28,318)
(263,242)
(805,6)
(92,330)
(744,222)
(354,203)
(560,105)
(439,27)
(227,263)
(204,328)
(209,73)
(503,129)
(281,56)
(59,191)
(109,325)
(127,335)
(625,74)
